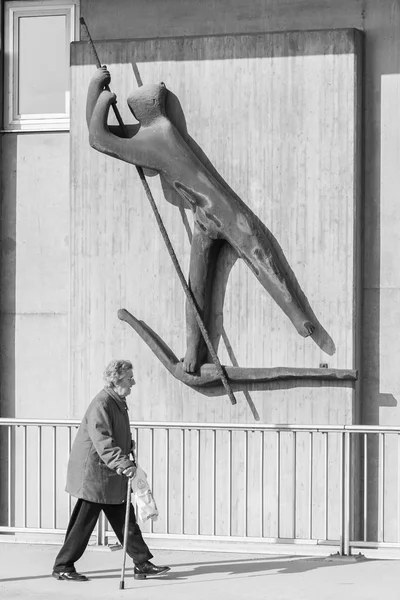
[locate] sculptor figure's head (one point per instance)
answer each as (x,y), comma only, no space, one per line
(148,102)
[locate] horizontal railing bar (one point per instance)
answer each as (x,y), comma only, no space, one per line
(231,538)
(61,422)
(370,429)
(298,541)
(4,529)
(355,544)
(211,426)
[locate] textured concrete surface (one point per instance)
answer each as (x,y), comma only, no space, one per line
(25,573)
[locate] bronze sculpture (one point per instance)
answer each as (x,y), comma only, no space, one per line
(220,216)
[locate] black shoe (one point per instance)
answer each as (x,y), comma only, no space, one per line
(72,576)
(147,569)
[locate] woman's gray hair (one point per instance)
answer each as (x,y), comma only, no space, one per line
(115,370)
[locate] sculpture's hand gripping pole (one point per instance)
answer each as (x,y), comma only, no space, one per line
(186,289)
(98,65)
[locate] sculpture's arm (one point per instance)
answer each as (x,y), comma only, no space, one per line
(100,136)
(100,80)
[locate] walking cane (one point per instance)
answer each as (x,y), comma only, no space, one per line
(126,527)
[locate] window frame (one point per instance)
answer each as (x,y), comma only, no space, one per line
(13,11)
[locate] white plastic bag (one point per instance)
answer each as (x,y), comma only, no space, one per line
(146,507)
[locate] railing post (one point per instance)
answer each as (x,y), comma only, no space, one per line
(345,521)
(101,530)
(10,476)
(342,486)
(347,495)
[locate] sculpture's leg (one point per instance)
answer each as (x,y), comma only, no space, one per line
(265,264)
(203,258)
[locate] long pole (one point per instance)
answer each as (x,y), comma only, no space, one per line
(186,288)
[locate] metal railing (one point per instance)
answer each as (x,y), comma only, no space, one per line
(335,485)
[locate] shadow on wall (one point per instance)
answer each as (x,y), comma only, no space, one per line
(288,44)
(8,266)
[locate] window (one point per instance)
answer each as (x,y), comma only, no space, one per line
(37,39)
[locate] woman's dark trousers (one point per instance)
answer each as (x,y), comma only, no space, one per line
(80,528)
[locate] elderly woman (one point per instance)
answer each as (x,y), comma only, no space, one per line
(98,466)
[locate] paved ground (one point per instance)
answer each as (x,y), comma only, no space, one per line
(24,573)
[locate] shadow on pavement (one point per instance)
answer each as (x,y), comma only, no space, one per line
(243,567)
(251,566)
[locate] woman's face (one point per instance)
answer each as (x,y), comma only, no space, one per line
(124,385)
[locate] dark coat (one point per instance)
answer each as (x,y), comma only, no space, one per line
(101,446)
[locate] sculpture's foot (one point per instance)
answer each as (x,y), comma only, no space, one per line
(191,361)
(305,328)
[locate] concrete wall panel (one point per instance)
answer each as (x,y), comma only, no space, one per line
(286,141)
(35,275)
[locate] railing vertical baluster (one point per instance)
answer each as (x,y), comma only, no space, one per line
(10,495)
(167,480)
(183,481)
(104,537)
(39,483)
(246,478)
(214,480)
(69,446)
(381,492)
(326,478)
(347,485)
(365,508)
(310,486)
(24,461)
(136,453)
(278,482)
(54,477)
(198,476)
(398,487)
(152,467)
(262,484)
(100,530)
(294,482)
(230,482)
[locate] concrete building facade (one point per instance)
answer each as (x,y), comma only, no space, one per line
(51,356)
